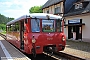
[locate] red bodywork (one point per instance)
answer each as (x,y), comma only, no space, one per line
(42,39)
(45,39)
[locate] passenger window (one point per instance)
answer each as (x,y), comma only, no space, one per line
(17,26)
(8,27)
(35,25)
(12,27)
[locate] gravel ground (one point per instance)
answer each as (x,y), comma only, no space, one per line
(78,48)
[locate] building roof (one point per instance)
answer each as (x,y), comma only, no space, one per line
(51,2)
(68,5)
(86,0)
(73,11)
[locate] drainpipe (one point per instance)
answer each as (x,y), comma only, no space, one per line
(63,15)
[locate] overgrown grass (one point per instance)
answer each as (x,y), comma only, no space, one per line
(4,32)
(3,28)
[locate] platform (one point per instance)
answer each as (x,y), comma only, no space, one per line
(9,52)
(78,48)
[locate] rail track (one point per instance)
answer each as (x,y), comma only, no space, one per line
(3,36)
(61,55)
(55,55)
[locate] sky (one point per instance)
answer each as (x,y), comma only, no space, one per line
(17,8)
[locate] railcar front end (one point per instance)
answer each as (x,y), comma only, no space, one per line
(45,41)
(46,34)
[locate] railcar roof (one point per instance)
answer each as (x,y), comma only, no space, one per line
(35,15)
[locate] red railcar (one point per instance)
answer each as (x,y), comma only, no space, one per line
(35,32)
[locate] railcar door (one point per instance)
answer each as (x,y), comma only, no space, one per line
(22,35)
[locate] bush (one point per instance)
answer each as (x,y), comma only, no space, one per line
(2,27)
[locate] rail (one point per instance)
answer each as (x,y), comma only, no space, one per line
(3,36)
(59,55)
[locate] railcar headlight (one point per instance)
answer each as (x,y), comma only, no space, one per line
(63,38)
(33,40)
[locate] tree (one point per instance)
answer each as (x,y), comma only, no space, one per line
(3,21)
(35,9)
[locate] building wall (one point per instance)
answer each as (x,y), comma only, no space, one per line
(52,8)
(85,28)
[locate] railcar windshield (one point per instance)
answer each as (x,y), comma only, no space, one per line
(35,25)
(48,26)
(52,25)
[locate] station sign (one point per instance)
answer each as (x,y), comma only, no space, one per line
(74,21)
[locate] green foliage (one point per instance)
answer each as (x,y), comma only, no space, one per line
(4,19)
(2,27)
(3,32)
(3,22)
(35,9)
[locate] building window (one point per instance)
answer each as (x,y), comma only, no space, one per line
(78,6)
(57,10)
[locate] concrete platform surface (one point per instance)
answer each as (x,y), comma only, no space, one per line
(78,48)
(9,52)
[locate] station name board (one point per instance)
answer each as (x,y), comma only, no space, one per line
(74,21)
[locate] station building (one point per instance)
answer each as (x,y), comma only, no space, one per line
(76,14)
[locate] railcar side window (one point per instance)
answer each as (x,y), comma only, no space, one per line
(17,26)
(8,28)
(48,26)
(12,27)
(35,25)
